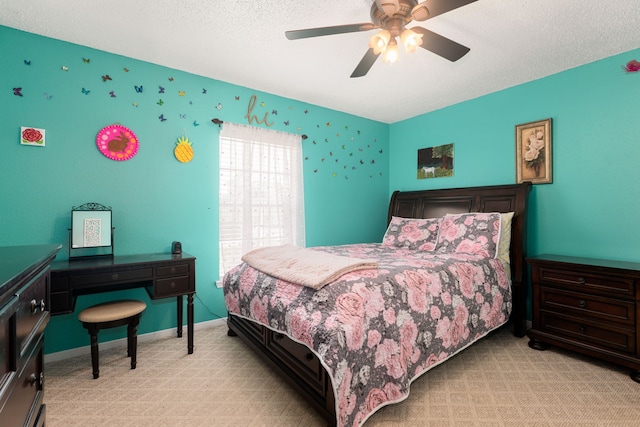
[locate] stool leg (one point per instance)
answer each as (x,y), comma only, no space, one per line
(93,331)
(132,339)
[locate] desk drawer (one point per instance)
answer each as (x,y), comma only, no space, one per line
(173,286)
(172,270)
(120,276)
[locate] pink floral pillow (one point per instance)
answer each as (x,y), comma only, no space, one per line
(412,233)
(471,233)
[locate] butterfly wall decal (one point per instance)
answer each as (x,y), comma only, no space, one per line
(204,90)
(183,116)
(86,60)
(112,94)
(162,118)
(27,62)
(138,88)
(196,123)
(64,68)
(47,96)
(181,92)
(160,102)
(170,79)
(106,77)
(160,89)
(17,91)
(85,91)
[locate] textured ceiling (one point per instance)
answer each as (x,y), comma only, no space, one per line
(243,42)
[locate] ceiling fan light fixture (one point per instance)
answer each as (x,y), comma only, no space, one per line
(391,53)
(410,40)
(380,41)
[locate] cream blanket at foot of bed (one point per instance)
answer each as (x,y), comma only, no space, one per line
(304,266)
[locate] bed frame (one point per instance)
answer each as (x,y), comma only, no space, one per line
(302,369)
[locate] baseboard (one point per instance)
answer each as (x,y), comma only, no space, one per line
(151,336)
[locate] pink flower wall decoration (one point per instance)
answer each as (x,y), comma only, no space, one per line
(632,66)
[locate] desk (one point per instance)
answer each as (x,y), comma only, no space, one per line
(162,275)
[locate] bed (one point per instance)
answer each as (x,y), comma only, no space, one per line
(336,345)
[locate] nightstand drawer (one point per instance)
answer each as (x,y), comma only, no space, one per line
(601,335)
(586,282)
(585,305)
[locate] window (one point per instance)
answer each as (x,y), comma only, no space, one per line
(261,191)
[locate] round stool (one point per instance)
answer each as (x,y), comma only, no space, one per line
(110,315)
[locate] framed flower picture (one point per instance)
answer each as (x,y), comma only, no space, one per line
(533,152)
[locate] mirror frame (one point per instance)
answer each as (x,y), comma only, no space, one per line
(91,232)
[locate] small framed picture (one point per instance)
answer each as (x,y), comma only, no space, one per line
(533,152)
(32,136)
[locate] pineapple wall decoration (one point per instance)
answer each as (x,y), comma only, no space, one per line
(183,150)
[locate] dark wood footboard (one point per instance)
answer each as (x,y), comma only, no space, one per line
(297,365)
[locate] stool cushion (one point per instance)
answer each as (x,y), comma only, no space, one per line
(113,310)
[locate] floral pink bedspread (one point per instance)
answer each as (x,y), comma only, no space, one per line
(375,331)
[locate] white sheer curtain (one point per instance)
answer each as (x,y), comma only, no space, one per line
(261,191)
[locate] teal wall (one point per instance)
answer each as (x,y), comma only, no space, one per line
(155,198)
(351,164)
(591,208)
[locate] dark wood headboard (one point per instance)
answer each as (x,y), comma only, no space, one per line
(498,198)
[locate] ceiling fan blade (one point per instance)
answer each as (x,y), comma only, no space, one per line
(438,7)
(327,31)
(441,45)
(365,63)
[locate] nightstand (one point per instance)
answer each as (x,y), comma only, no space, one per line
(587,305)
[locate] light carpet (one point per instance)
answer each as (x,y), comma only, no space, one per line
(499,381)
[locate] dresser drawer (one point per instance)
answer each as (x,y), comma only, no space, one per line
(172,270)
(587,305)
(587,282)
(27,394)
(300,359)
(602,335)
(33,310)
(7,311)
(173,286)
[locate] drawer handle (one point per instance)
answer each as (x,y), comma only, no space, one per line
(36,379)
(581,281)
(35,306)
(173,269)
(583,329)
(115,276)
(582,303)
(309,357)
(172,285)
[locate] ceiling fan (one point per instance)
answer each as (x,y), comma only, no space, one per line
(392,17)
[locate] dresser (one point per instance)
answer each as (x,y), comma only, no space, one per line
(590,306)
(24,314)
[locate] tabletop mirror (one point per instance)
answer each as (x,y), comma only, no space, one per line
(91,232)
